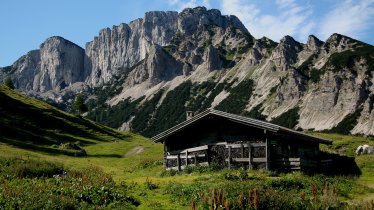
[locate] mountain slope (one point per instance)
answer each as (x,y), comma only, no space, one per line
(144,75)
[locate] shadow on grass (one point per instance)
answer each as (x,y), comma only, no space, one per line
(21,119)
(341,165)
(33,147)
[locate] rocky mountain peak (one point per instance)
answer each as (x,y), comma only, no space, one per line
(288,40)
(191,19)
(61,64)
(338,43)
(313,43)
(285,54)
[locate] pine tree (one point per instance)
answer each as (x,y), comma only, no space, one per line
(79,106)
(8,82)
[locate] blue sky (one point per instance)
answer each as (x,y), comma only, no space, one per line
(25,24)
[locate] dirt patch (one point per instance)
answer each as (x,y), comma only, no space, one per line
(135,151)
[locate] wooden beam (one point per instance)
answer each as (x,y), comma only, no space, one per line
(245,145)
(267,153)
(242,150)
(179,162)
(250,158)
(186,158)
(229,158)
(208,155)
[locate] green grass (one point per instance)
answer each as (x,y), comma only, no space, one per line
(135,164)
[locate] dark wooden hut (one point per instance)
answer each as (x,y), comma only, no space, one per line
(236,141)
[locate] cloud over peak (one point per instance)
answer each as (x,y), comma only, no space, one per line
(349,17)
(277,18)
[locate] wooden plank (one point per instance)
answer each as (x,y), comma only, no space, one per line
(236,146)
(287,159)
(255,160)
(238,159)
(262,144)
(259,160)
(184,156)
(245,145)
(195,149)
(191,165)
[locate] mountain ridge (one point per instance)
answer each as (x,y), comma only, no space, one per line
(210,59)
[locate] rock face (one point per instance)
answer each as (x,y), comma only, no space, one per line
(58,64)
(25,69)
(61,64)
(115,50)
(326,82)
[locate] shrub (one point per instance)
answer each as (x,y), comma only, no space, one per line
(9,83)
(150,185)
(236,102)
(347,124)
(288,119)
(256,113)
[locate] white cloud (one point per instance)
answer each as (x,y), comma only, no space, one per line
(284,3)
(290,18)
(182,4)
(350,18)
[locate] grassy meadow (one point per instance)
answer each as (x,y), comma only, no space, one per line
(124,170)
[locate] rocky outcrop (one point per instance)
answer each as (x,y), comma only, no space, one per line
(192,20)
(56,65)
(212,59)
(285,54)
(115,50)
(313,44)
(23,71)
(61,64)
(156,67)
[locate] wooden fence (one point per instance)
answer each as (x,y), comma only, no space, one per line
(204,152)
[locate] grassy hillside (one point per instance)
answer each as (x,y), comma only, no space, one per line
(26,122)
(124,170)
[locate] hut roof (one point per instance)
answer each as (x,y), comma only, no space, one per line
(239,119)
